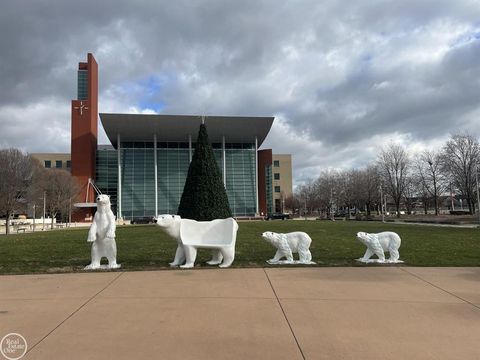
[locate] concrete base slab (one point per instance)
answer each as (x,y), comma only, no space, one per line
(173,329)
(462,282)
(280,313)
(384,330)
(372,283)
(211,283)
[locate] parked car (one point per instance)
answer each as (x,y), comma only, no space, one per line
(143,220)
(277,216)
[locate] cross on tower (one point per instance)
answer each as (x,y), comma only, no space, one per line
(81,107)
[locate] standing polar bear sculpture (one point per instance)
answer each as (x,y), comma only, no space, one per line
(286,244)
(220,235)
(102,235)
(379,243)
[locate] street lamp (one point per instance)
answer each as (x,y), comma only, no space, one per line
(381,204)
(478,194)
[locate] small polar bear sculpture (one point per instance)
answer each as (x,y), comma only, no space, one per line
(102,235)
(377,244)
(287,244)
(219,235)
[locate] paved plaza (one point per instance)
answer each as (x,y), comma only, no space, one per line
(297,313)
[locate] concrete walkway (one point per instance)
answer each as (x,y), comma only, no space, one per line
(297,313)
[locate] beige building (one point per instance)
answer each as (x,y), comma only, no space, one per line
(54,160)
(282,180)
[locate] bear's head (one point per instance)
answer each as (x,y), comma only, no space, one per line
(365,238)
(270,236)
(103,200)
(166,220)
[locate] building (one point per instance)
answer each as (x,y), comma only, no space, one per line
(282,180)
(84,130)
(145,166)
(54,160)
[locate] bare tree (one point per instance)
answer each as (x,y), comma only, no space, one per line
(15,179)
(293,203)
(393,165)
(61,189)
(34,195)
(368,189)
(459,159)
(429,166)
(327,188)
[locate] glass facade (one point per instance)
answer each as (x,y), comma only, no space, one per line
(240,178)
(107,173)
(82,85)
(268,186)
(173,159)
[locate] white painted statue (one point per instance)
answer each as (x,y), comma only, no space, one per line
(377,244)
(219,235)
(102,235)
(287,244)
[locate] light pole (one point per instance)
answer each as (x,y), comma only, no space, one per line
(44,208)
(478,194)
(381,204)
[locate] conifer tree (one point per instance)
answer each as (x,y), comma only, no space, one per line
(204,197)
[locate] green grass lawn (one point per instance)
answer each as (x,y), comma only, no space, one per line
(142,247)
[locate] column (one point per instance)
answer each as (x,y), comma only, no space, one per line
(256,176)
(156,172)
(190,147)
(224,162)
(119,188)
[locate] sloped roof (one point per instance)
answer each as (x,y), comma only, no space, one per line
(140,127)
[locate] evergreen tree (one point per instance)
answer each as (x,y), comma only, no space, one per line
(204,197)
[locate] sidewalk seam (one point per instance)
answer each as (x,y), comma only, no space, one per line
(284,315)
(440,288)
(73,313)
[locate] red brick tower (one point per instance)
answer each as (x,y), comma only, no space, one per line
(84,132)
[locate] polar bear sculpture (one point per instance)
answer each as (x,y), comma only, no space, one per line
(219,235)
(286,244)
(102,234)
(379,243)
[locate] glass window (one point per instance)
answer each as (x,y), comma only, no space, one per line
(58,164)
(276,163)
(69,164)
(277,189)
(276,176)
(48,164)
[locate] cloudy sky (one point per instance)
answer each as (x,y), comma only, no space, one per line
(341,78)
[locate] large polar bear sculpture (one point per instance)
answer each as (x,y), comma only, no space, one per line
(287,244)
(377,244)
(220,235)
(102,235)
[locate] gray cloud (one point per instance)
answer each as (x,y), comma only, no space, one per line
(341,79)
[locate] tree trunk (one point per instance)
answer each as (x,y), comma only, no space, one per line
(7,224)
(397,205)
(52,222)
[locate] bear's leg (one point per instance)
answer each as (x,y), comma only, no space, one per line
(190,255)
(394,255)
(305,256)
(228,253)
(179,256)
(111,254)
(217,257)
(96,257)
(289,256)
(380,254)
(276,258)
(367,256)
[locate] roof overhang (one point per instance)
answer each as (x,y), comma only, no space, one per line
(140,127)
